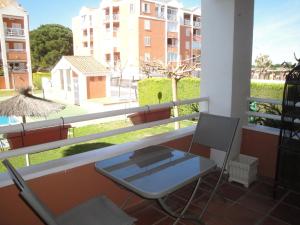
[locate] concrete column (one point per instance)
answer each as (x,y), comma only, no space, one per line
(26,32)
(227,31)
(4,53)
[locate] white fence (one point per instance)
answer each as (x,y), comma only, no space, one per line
(87,117)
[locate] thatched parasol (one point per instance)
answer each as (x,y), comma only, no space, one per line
(25,104)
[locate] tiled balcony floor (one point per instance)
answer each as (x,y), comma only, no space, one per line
(242,206)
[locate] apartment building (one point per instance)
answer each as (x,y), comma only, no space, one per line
(126,32)
(15,62)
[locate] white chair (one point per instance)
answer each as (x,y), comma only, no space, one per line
(96,211)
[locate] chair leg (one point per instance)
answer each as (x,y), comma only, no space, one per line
(189,203)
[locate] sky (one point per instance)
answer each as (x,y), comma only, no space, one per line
(276,22)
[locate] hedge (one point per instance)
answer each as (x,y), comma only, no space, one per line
(149,89)
(266,90)
(37,79)
(159,90)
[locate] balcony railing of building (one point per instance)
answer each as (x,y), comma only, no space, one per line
(160,15)
(18,70)
(187,22)
(197,24)
(15,32)
(89,117)
(106,18)
(266,119)
(116,17)
(172,17)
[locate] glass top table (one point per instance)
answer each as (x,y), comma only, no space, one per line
(155,171)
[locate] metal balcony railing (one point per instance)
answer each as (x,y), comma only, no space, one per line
(116,16)
(106,18)
(172,17)
(94,116)
(16,50)
(197,24)
(15,32)
(160,15)
(187,22)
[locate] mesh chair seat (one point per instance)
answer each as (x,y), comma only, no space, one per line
(97,211)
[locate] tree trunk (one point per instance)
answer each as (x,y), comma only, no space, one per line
(174,96)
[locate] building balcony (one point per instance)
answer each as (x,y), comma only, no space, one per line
(172,17)
(187,22)
(76,176)
(116,17)
(160,15)
(16,54)
(106,18)
(197,24)
(14,32)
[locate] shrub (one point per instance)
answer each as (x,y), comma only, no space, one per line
(37,79)
(159,90)
(266,90)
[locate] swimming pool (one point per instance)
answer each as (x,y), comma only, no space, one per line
(4,120)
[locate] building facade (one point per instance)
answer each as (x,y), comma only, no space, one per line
(121,34)
(15,61)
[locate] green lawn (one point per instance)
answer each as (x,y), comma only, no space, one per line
(95,144)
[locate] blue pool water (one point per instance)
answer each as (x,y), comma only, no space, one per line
(7,120)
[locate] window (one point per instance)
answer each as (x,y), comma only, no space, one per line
(147,41)
(16,25)
(147,57)
(131,8)
(18,46)
(187,45)
(145,7)
(172,57)
(187,32)
(85,44)
(147,25)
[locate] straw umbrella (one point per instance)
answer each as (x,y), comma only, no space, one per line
(25,104)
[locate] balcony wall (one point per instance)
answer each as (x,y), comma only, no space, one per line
(16,55)
(262,145)
(64,190)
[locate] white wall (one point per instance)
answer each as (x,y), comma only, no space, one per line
(227,31)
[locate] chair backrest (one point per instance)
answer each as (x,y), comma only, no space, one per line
(28,195)
(215,131)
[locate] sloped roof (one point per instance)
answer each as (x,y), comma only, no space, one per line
(86,64)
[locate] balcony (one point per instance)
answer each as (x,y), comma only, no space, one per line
(197,24)
(172,17)
(14,32)
(116,17)
(160,15)
(16,54)
(106,18)
(66,182)
(80,180)
(187,22)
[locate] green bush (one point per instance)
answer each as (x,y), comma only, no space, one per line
(159,90)
(37,79)
(150,89)
(266,90)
